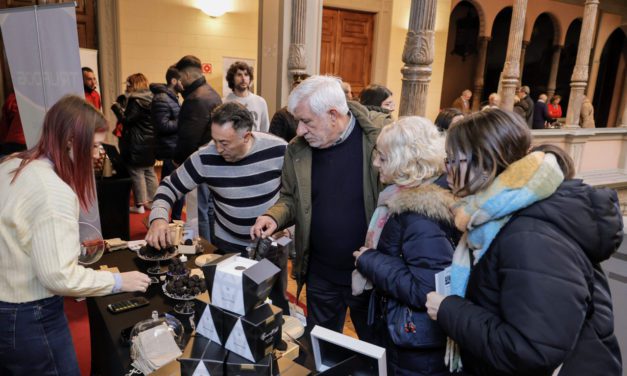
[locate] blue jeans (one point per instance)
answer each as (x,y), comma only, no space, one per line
(166,170)
(35,339)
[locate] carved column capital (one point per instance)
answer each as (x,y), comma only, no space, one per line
(419,47)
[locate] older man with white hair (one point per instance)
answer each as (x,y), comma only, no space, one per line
(329,190)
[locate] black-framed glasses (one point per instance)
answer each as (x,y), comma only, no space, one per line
(448,163)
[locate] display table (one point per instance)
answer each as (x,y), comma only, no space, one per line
(109,355)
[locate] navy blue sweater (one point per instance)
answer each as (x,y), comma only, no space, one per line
(338,221)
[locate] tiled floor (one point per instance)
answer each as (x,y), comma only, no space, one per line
(349,329)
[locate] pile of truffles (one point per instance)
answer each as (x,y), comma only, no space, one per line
(186,286)
(151,252)
(177,267)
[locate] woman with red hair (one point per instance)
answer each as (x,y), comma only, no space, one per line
(41,192)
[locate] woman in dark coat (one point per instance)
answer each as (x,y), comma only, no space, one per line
(137,144)
(528,294)
(409,241)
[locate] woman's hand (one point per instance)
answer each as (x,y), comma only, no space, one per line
(433,304)
(356,254)
(134,281)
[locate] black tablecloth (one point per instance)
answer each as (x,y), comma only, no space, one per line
(109,355)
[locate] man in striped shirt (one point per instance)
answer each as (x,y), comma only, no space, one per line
(243,171)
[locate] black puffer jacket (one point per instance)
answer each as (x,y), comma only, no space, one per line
(165,113)
(137,144)
(415,244)
(195,118)
(528,300)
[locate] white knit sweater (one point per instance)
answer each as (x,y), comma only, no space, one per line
(39,237)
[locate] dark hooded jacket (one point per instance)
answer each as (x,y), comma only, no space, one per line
(137,144)
(195,118)
(538,297)
(415,244)
(165,113)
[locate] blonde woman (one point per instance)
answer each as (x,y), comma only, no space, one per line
(408,242)
(137,144)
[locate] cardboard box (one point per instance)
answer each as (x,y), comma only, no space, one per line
(202,357)
(235,365)
(239,284)
(253,336)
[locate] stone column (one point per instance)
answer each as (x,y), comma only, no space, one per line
(579,79)
(418,57)
(555,63)
(623,106)
(511,70)
(296,60)
(109,60)
(480,72)
(523,51)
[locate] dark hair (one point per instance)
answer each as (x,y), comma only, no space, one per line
(374,95)
(187,62)
(73,121)
(238,65)
(554,98)
(87,69)
(172,74)
(233,112)
(489,141)
(566,163)
(445,117)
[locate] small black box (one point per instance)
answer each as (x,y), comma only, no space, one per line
(253,336)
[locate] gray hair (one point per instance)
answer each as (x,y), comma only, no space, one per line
(414,149)
(321,93)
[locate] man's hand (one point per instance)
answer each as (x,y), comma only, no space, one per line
(263,227)
(158,234)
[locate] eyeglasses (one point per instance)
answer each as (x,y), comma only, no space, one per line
(449,163)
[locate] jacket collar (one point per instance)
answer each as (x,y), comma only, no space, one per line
(193,86)
(429,200)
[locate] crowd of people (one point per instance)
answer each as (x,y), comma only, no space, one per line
(380,208)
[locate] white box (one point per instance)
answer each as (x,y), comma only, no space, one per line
(238,284)
(321,337)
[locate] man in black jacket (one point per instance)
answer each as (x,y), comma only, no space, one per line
(195,126)
(527,104)
(165,110)
(541,113)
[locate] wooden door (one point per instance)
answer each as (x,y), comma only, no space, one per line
(346,49)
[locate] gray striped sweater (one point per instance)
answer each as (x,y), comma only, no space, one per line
(241,191)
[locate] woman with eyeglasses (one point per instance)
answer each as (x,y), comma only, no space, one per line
(409,240)
(528,296)
(41,193)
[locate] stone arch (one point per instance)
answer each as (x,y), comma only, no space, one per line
(539,55)
(497,50)
(461,51)
(557,27)
(609,83)
(567,62)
